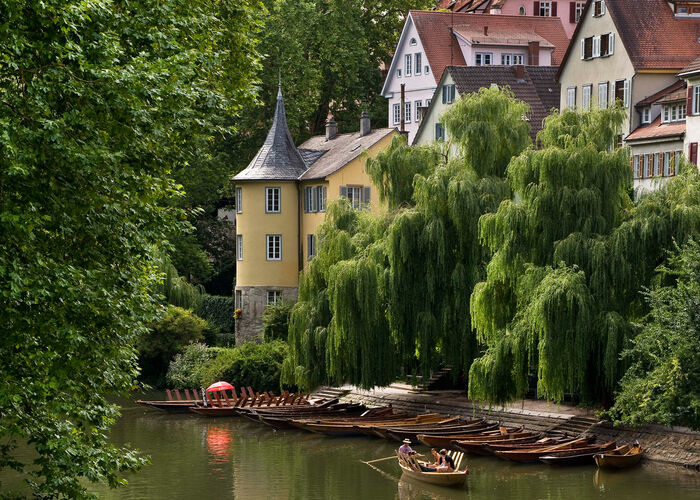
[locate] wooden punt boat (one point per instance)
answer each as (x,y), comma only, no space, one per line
(353,428)
(282,421)
(492,448)
(381,429)
(175,402)
(445,441)
(534,454)
(582,456)
(411,469)
(401,434)
(620,458)
(479,447)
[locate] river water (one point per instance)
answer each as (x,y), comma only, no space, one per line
(199,458)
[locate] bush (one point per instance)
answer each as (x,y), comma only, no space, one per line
(168,336)
(275,320)
(254,365)
(185,370)
(218,311)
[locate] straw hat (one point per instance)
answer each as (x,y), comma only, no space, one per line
(407,441)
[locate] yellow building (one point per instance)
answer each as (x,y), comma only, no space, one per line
(281,199)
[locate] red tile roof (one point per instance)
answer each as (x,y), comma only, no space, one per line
(693,67)
(653,36)
(656,130)
(465,5)
(442,49)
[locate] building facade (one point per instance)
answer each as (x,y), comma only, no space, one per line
(281,199)
(535,85)
(431,41)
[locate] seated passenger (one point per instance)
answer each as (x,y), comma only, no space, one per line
(446,463)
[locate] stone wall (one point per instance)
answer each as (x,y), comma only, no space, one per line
(253,303)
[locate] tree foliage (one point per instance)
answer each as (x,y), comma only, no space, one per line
(275,320)
(390,291)
(570,254)
(99,101)
(661,385)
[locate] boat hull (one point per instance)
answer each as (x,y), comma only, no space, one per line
(438,478)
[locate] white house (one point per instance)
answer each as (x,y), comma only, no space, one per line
(431,41)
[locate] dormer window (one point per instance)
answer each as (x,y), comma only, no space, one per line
(598,8)
(646,115)
(673,113)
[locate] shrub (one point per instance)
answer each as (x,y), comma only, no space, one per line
(254,365)
(168,336)
(275,320)
(218,311)
(185,369)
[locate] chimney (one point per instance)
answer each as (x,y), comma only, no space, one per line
(331,129)
(486,31)
(519,72)
(364,124)
(533,53)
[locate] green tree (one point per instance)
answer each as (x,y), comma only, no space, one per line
(276,320)
(662,384)
(99,101)
(570,254)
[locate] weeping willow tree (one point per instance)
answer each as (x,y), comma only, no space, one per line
(570,254)
(177,290)
(338,330)
(435,257)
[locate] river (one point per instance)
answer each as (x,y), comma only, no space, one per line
(195,457)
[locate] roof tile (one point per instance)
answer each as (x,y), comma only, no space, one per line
(657,130)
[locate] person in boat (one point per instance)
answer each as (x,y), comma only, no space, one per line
(446,463)
(407,450)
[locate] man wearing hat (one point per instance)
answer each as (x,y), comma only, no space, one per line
(406,448)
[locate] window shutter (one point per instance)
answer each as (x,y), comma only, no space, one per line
(444,92)
(693,153)
(689,101)
(554,9)
(602,7)
(537,9)
(596,46)
(572,12)
(583,48)
(672,164)
(343,191)
(611,43)
(366,192)
(626,94)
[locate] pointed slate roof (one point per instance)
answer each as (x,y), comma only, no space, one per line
(278,158)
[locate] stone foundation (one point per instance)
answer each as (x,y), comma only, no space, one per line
(253,303)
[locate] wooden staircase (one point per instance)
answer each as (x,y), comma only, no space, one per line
(330,392)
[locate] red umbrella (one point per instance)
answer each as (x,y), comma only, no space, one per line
(219,386)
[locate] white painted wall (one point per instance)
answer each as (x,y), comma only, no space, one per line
(650,184)
(512,8)
(692,123)
(418,87)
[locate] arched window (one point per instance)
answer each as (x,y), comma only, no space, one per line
(412,41)
(522,10)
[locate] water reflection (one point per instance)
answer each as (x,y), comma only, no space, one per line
(219,445)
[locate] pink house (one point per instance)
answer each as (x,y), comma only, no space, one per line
(568,12)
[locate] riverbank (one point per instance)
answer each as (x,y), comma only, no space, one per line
(672,445)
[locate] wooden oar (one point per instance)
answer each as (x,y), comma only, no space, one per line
(380,459)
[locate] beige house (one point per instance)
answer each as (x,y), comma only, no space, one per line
(281,199)
(691,75)
(626,50)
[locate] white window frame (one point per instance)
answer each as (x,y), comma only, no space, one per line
(412,42)
(545,8)
(579,11)
(571,97)
(239,200)
(273,200)
(646,115)
(656,169)
(587,92)
(646,170)
(407,112)
(355,196)
(480,58)
(273,296)
(417,105)
(595,51)
(397,113)
(398,72)
(321,198)
(635,162)
(418,58)
(681,113)
(667,164)
(448,93)
(273,242)
(407,64)
(665,114)
(696,99)
(426,69)
(239,247)
(310,205)
(603,95)
(505,59)
(239,299)
(596,3)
